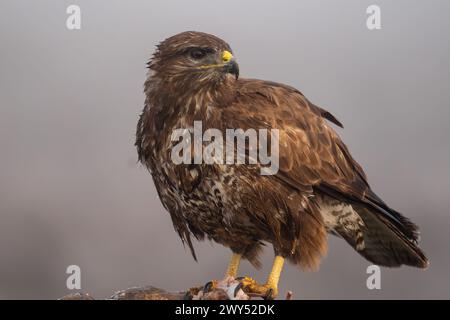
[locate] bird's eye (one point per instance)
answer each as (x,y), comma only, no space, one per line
(198,53)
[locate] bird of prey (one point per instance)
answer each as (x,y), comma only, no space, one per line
(318,188)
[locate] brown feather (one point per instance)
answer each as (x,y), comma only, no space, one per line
(234,204)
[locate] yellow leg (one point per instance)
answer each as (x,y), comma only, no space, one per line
(271,285)
(274,275)
(233,266)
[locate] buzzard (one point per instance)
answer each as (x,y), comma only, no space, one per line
(318,188)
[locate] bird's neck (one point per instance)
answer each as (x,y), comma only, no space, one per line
(189,102)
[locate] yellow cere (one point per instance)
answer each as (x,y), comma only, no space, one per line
(226,56)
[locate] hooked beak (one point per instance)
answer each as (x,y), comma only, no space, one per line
(232,67)
(230,64)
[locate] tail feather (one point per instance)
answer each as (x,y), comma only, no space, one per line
(388,245)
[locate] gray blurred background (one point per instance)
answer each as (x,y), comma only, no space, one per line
(71,191)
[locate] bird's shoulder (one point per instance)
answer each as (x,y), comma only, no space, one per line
(311,152)
(263,94)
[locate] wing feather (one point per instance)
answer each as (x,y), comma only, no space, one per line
(313,158)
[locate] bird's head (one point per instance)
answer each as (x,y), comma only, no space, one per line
(192,60)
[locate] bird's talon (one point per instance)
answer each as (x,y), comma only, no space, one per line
(254,289)
(209,286)
(248,283)
(238,287)
(269,295)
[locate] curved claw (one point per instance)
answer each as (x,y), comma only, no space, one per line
(209,286)
(238,287)
(253,288)
(235,292)
(269,295)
